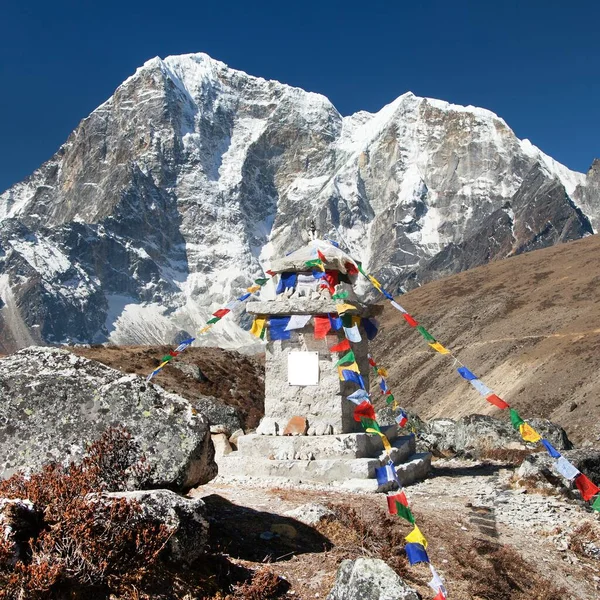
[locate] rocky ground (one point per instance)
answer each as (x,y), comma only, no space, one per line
(489,537)
(528,326)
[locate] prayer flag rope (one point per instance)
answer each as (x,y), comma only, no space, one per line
(397,502)
(216,317)
(587,488)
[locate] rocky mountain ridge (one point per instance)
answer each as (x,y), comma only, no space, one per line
(178,190)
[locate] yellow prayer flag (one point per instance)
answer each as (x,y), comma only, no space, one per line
(437,346)
(383,372)
(342,308)
(258,325)
(416,537)
(352,367)
(204,329)
(529,434)
(253,288)
(162,364)
(375,282)
(384,440)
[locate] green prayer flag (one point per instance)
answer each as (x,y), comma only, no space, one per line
(340,295)
(213,320)
(425,333)
(346,320)
(346,358)
(261,281)
(389,398)
(596,505)
(515,419)
(369,424)
(359,265)
(405,512)
(166,357)
(262,333)
(315,262)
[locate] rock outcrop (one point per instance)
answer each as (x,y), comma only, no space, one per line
(53,403)
(175,193)
(369,579)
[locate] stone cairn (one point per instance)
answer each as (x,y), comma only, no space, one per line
(308,433)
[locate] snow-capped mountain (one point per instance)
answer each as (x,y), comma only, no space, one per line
(173,195)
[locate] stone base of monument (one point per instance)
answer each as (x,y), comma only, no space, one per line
(345,460)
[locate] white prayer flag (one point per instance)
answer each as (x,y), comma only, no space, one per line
(483,389)
(436,583)
(352,333)
(397,306)
(566,469)
(298,322)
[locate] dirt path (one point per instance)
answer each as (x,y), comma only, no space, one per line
(482,534)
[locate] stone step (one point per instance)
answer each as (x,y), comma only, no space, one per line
(348,445)
(331,471)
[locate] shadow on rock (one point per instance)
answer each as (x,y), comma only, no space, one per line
(258,536)
(476,470)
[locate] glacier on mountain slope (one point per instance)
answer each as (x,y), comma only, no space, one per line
(223,171)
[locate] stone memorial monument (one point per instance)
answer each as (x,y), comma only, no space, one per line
(309,433)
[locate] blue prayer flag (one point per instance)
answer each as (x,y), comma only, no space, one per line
(244,297)
(551,450)
(336,322)
(386,474)
(286,280)
(370,328)
(358,395)
(383,385)
(466,374)
(416,553)
(387,295)
(277,328)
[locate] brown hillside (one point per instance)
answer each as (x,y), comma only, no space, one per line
(528,326)
(235,379)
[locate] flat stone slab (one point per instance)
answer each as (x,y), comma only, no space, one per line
(307,306)
(346,445)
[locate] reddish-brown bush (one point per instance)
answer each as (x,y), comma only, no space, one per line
(74,546)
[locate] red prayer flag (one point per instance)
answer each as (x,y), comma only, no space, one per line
(586,487)
(269,272)
(173,353)
(364,410)
(321,256)
(497,401)
(391,500)
(221,313)
(330,280)
(409,320)
(440,596)
(350,268)
(322,326)
(341,347)
(372,362)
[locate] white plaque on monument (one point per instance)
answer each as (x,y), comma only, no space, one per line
(303,368)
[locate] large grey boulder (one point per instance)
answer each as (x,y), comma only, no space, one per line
(184,516)
(53,403)
(369,579)
(219,414)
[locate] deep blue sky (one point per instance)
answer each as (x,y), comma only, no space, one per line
(534,62)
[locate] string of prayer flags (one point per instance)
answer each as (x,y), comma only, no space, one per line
(394,499)
(286,281)
(322,326)
(529,434)
(565,468)
(416,537)
(439,348)
(353,334)
(341,347)
(497,401)
(298,322)
(587,489)
(258,326)
(384,440)
(370,328)
(278,328)
(551,449)
(410,320)
(515,419)
(346,358)
(416,554)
